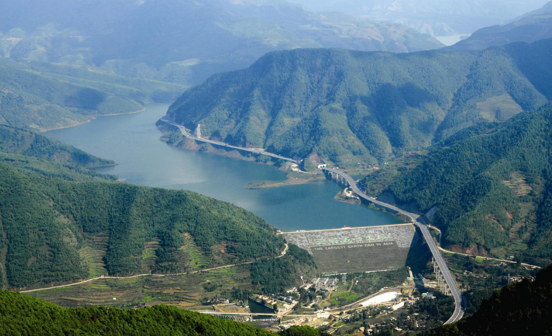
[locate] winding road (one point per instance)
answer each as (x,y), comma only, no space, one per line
(449,279)
(258,151)
(284,252)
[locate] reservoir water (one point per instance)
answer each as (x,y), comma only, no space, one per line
(133,142)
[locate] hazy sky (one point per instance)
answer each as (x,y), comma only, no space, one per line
(437,17)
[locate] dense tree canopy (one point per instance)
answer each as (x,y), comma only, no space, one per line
(346,107)
(524,308)
(61,222)
(490,186)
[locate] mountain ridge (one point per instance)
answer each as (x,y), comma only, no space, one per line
(344,106)
(61,222)
(44,96)
(487,188)
(531,27)
(112,35)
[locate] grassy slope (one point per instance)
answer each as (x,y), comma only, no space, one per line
(346,107)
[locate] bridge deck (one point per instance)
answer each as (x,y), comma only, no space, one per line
(258,151)
(458,309)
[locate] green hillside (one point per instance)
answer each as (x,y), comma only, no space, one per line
(44,96)
(183,41)
(487,187)
(19,141)
(346,107)
(39,154)
(532,27)
(520,309)
(22,315)
(60,222)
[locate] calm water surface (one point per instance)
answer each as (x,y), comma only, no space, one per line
(133,142)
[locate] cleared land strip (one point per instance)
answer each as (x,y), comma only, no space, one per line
(471,255)
(258,151)
(103,277)
(489,258)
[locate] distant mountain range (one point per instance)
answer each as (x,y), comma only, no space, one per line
(44,96)
(343,107)
(183,41)
(531,27)
(435,17)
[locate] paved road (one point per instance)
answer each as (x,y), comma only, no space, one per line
(258,151)
(458,309)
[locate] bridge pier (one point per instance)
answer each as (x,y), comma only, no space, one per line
(441,282)
(445,279)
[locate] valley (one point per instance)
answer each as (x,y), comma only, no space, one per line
(145,160)
(275,167)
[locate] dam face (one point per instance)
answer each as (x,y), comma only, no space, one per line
(359,249)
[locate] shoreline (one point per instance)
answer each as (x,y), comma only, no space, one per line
(279,184)
(89,120)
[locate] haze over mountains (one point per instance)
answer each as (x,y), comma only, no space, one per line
(344,107)
(435,17)
(531,27)
(44,96)
(460,135)
(182,41)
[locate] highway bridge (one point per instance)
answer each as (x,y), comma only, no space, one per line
(257,151)
(447,275)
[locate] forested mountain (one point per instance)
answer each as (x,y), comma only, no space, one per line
(436,17)
(346,106)
(529,28)
(19,141)
(36,153)
(22,315)
(45,96)
(520,309)
(182,41)
(59,223)
(488,188)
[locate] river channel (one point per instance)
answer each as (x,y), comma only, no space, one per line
(132,141)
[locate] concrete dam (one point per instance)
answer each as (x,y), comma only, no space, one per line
(357,249)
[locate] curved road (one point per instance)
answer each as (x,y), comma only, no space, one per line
(284,252)
(258,151)
(458,309)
